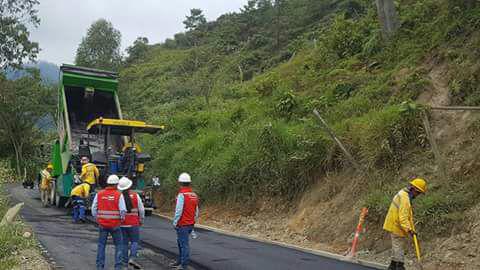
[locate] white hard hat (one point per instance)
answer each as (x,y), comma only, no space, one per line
(124,183)
(112,179)
(184,178)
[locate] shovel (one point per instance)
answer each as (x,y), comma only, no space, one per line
(417,251)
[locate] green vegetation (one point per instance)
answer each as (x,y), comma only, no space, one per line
(237,95)
(11,237)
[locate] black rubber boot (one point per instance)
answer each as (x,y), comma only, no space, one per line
(392,266)
(400,266)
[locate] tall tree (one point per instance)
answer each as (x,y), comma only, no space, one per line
(15,44)
(22,103)
(195,20)
(137,51)
(100,48)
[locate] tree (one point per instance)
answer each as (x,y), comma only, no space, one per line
(23,103)
(15,44)
(195,20)
(137,51)
(100,48)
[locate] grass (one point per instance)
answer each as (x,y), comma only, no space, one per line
(11,239)
(259,137)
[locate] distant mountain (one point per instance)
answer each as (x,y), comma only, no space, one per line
(48,72)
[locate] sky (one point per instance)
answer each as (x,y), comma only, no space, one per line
(65,22)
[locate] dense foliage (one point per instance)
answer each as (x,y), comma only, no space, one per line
(15,19)
(237,93)
(100,48)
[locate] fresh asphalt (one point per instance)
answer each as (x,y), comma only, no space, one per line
(73,246)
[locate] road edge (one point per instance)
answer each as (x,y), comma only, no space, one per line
(286,245)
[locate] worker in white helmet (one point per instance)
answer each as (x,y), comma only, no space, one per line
(186,214)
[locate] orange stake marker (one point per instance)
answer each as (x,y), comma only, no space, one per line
(361,220)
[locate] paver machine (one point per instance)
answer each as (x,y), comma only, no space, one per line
(90,124)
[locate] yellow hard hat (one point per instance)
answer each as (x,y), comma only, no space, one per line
(419,184)
(50,166)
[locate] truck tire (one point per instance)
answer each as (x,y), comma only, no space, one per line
(53,194)
(148,213)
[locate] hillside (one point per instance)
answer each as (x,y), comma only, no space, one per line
(237,95)
(48,72)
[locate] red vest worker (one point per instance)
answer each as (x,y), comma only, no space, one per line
(186,214)
(109,210)
(131,225)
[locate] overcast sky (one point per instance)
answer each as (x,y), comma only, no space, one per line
(65,22)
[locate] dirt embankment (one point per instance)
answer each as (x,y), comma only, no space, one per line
(326,216)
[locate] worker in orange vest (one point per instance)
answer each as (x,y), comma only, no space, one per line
(109,210)
(133,220)
(186,214)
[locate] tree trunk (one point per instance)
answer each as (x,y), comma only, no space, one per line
(388,17)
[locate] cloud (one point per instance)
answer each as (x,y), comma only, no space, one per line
(65,22)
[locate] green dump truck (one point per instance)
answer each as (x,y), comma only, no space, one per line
(90,124)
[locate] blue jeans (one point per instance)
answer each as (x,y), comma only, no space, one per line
(130,235)
(78,208)
(102,243)
(183,234)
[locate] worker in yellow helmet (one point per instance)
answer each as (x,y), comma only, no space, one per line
(46,184)
(79,196)
(90,173)
(399,220)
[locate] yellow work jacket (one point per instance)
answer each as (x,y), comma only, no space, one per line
(81,190)
(399,219)
(89,173)
(46,179)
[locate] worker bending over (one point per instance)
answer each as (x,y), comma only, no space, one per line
(46,184)
(186,214)
(109,210)
(399,221)
(131,225)
(79,196)
(89,173)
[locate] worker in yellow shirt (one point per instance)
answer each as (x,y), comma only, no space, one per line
(90,173)
(79,196)
(46,184)
(399,221)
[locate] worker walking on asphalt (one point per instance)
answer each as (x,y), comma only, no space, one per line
(186,214)
(131,225)
(79,195)
(399,221)
(109,210)
(46,184)
(89,173)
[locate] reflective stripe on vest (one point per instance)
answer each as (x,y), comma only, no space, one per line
(108,214)
(132,218)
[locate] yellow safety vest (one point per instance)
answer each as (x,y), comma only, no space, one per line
(81,190)
(399,219)
(89,173)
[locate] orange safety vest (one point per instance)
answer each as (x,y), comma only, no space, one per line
(189,207)
(108,213)
(132,218)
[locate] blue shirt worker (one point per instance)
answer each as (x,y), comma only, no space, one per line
(186,215)
(109,210)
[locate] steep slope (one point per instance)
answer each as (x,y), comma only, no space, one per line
(240,120)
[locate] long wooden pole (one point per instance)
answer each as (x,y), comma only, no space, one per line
(456,108)
(339,143)
(433,144)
